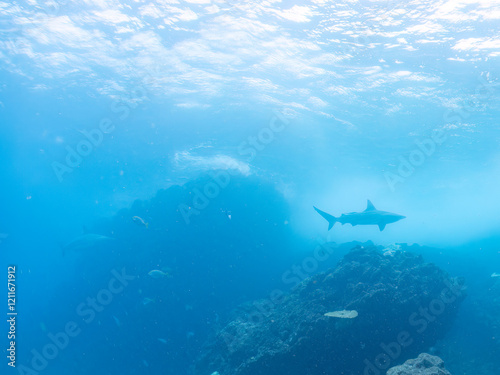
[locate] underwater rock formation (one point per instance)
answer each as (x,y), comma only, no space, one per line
(404,305)
(424,364)
(489,306)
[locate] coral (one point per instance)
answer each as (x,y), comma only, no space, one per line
(424,364)
(404,306)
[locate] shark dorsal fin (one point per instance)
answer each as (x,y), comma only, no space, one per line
(370,206)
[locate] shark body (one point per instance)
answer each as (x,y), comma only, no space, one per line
(86,242)
(370,216)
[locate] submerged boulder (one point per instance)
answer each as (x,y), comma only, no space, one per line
(424,364)
(403,306)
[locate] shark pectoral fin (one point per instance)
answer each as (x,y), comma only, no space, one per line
(63,249)
(381,227)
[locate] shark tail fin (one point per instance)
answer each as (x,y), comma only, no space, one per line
(147,225)
(331,219)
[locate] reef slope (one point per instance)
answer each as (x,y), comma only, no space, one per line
(404,305)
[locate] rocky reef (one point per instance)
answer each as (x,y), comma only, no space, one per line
(385,307)
(424,364)
(488,304)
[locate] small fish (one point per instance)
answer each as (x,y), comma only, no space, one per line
(147,301)
(157,274)
(494,274)
(349,314)
(140,221)
(228,213)
(145,363)
(163,341)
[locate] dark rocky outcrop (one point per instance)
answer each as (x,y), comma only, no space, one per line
(404,306)
(488,307)
(424,364)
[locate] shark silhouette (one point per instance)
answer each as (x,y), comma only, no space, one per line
(370,216)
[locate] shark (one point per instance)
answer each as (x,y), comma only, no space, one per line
(370,216)
(86,241)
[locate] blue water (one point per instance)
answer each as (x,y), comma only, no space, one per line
(220,124)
